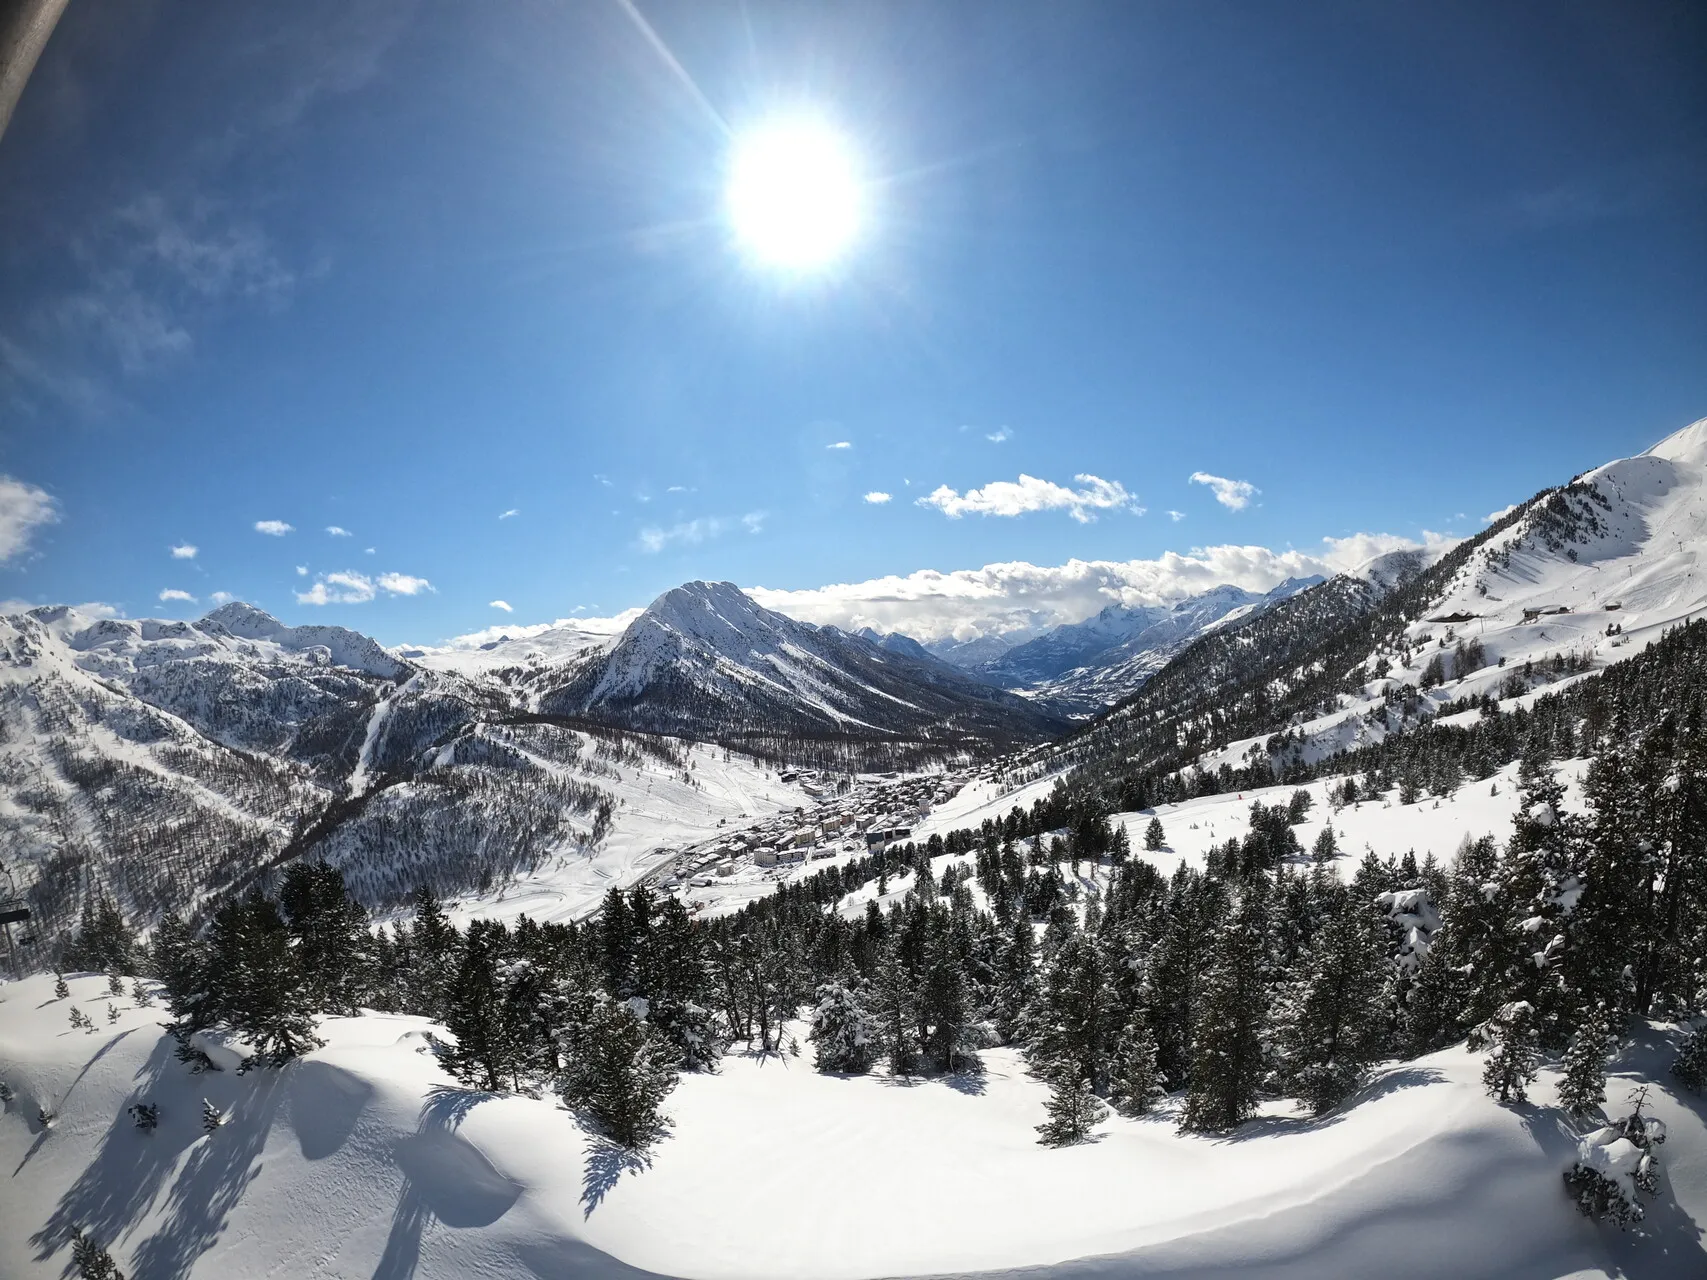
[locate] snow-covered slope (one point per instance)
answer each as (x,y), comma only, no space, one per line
(159,762)
(705,660)
(366,1160)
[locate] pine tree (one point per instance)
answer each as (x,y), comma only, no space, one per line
(1076,1019)
(846,1040)
(1335,1031)
(1154,837)
(1133,1081)
(329,935)
(1513,1052)
(140,995)
(146,1115)
(620,1074)
(1073,1111)
(212,1116)
(435,951)
(893,1005)
(91,1260)
(474,1011)
(61,989)
(115,986)
(943,1006)
(1691,1065)
(1015,980)
(260,988)
(1583,1087)
(673,976)
(1227,1057)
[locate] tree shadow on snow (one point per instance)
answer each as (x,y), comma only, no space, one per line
(607,1161)
(1407,1077)
(134,1173)
(445,1178)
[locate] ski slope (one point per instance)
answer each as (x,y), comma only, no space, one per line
(365,1160)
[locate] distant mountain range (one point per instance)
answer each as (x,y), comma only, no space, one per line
(1083,667)
(167,760)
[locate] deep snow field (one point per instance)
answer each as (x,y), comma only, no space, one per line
(366,1160)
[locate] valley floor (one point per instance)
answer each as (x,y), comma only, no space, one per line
(366,1160)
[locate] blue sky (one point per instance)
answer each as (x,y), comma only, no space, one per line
(400,270)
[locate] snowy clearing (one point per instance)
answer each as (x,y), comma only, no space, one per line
(365,1160)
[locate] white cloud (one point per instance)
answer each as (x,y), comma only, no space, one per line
(302,571)
(1021,599)
(513,511)
(172,593)
(1010,498)
(403,584)
(677,488)
(754,521)
(222,597)
(1176,516)
(840,444)
(274,528)
(339,588)
(24,508)
(877,497)
(689,533)
(603,479)
(500,604)
(337,531)
(999,435)
(1235,495)
(1501,514)
(184,551)
(367,551)
(350,587)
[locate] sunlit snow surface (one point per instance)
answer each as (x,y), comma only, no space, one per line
(366,1161)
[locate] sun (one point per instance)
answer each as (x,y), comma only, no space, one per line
(794,194)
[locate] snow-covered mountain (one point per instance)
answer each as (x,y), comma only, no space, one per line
(163,761)
(1575,579)
(705,660)
(1083,667)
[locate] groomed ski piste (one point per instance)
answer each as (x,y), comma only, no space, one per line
(366,1160)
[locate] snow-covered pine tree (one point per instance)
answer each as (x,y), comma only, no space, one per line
(943,1005)
(673,977)
(329,933)
(1016,980)
(1075,1018)
(844,1037)
(1134,1084)
(1543,879)
(1583,1087)
(620,1075)
(1514,1053)
(1154,836)
(1690,1067)
(265,992)
(1227,1063)
(61,989)
(115,986)
(212,1116)
(1335,1030)
(146,1115)
(92,1261)
(1073,1111)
